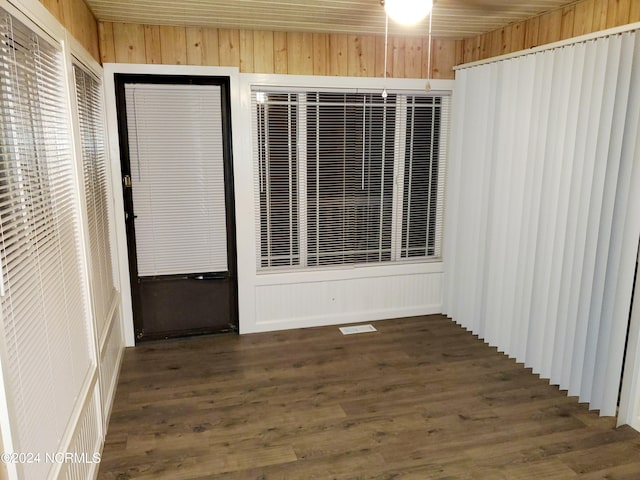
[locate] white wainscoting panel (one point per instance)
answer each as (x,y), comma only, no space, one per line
(85,445)
(328,302)
(111,349)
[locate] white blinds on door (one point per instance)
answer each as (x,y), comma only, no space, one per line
(543,210)
(96,185)
(44,314)
(177,171)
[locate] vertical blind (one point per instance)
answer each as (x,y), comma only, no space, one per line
(541,236)
(89,100)
(348,178)
(177,172)
(44,304)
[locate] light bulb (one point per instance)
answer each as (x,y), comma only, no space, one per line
(408,12)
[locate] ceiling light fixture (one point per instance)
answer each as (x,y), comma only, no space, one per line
(408,12)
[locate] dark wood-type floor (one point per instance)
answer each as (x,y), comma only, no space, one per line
(420,399)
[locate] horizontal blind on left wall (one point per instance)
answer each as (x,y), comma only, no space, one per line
(96,186)
(44,307)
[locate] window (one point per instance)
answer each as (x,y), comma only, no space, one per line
(44,299)
(96,185)
(348,178)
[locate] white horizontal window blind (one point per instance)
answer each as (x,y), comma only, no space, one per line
(44,306)
(90,116)
(425,154)
(543,211)
(350,168)
(348,178)
(177,171)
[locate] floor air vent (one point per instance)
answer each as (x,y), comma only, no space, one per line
(350,330)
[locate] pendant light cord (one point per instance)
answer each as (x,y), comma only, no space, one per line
(429,48)
(386,43)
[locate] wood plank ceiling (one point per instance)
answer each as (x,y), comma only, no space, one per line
(451,18)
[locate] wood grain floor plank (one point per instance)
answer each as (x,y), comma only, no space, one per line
(420,399)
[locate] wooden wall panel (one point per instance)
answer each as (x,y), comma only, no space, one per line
(320,53)
(471,49)
(495,42)
(397,57)
(229,47)
(634,12)
(55,8)
(152,44)
(129,43)
(76,17)
(107,44)
(300,53)
(361,60)
(263,52)
(443,58)
(173,45)
(338,45)
(568,17)
(518,36)
(195,45)
(580,18)
(280,55)
(279,52)
(380,58)
(485,44)
(531,32)
(618,12)
(600,9)
(583,18)
(412,58)
(246,51)
(210,47)
(550,26)
(459,46)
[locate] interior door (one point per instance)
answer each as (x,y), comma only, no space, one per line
(174,136)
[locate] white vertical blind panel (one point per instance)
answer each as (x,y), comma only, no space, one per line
(597,225)
(522,175)
(541,236)
(613,324)
(540,115)
(582,80)
(592,103)
(629,229)
(494,235)
(89,101)
(569,61)
(177,171)
(471,103)
(44,309)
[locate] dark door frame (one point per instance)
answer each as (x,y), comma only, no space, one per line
(120,80)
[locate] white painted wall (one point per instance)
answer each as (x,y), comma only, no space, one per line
(293,299)
(334,295)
